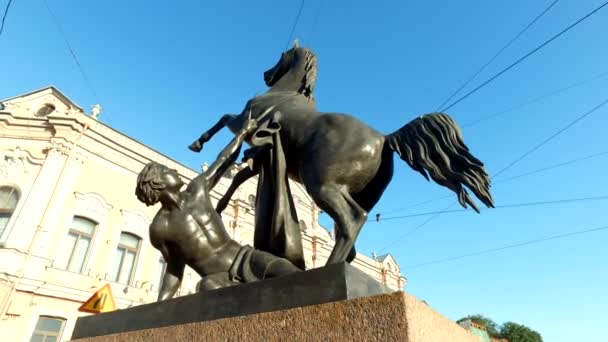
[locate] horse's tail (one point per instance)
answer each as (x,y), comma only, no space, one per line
(433,143)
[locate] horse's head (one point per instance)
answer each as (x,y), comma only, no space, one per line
(299,62)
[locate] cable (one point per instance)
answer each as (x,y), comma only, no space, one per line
(295,23)
(536,99)
(547,168)
(71,50)
(504,180)
(314,23)
(411,231)
(8,5)
(504,206)
(530,242)
(550,138)
(525,56)
(497,54)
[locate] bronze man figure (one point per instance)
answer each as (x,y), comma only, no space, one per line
(188,231)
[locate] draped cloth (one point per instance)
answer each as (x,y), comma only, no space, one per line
(277,229)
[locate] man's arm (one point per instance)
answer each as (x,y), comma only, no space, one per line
(172,279)
(239,179)
(173,274)
(228,156)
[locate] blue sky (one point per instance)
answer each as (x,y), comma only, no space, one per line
(164,72)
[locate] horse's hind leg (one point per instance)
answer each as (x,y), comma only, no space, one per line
(348,217)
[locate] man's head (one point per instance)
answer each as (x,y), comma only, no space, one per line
(153,180)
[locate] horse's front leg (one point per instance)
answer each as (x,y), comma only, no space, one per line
(224,121)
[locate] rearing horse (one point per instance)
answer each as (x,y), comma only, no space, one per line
(345,165)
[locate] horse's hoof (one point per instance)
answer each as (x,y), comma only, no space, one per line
(195,146)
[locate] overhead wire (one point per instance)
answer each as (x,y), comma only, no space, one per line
(295,23)
(497,54)
(496,249)
(518,159)
(553,136)
(547,42)
(504,180)
(536,99)
(71,50)
(505,206)
(8,6)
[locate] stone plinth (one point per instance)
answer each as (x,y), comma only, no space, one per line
(389,317)
(322,285)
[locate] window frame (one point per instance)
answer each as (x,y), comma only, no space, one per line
(126,248)
(9,211)
(79,234)
(44,333)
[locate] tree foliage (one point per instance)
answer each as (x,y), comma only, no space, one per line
(490,325)
(514,332)
(519,333)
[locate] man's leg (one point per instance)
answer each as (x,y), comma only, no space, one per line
(266,265)
(214,281)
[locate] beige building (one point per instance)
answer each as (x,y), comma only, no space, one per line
(70,222)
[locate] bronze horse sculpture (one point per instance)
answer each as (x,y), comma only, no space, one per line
(345,165)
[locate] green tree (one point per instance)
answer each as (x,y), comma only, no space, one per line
(491,326)
(519,333)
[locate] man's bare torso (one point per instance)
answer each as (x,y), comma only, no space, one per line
(194,232)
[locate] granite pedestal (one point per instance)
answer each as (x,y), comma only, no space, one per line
(332,283)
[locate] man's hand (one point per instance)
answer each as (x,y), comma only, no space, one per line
(250,126)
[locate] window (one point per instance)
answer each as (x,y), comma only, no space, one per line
(251,200)
(303,225)
(161,266)
(45,110)
(9,197)
(77,245)
(126,257)
(48,329)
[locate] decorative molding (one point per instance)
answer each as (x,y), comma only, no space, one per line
(16,163)
(136,222)
(59,147)
(92,205)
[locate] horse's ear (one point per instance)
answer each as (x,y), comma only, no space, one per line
(296,44)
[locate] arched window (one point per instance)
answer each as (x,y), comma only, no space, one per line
(9,197)
(126,257)
(303,225)
(77,245)
(251,200)
(48,329)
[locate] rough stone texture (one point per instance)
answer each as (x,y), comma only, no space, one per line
(390,317)
(327,284)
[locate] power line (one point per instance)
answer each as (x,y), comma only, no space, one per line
(486,251)
(547,168)
(526,56)
(553,136)
(581,117)
(504,206)
(314,23)
(504,180)
(497,54)
(411,231)
(8,5)
(536,99)
(295,23)
(519,106)
(71,50)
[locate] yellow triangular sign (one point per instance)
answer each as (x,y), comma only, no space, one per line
(100,301)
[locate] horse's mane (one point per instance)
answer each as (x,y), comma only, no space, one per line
(310,75)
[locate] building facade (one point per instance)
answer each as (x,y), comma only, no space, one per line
(70,222)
